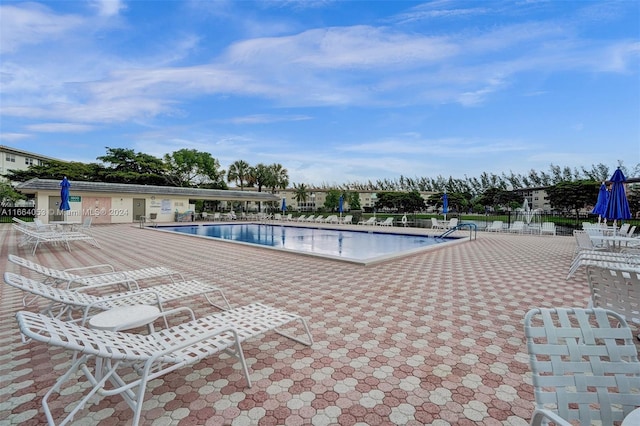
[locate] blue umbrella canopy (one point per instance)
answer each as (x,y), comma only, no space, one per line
(64,194)
(601,205)
(618,205)
(445,204)
(340,201)
(284,205)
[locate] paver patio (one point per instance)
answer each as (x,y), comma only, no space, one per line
(431,338)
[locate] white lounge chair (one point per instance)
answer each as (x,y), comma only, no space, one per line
(96,275)
(548,228)
(347,219)
(435,224)
(584,366)
(331,219)
(517,226)
(370,221)
(67,302)
(312,218)
(453,222)
(496,226)
(387,222)
(301,218)
(47,235)
(319,219)
(129,361)
(604,259)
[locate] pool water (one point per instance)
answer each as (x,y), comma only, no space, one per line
(359,246)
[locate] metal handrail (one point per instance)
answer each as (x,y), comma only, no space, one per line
(473,230)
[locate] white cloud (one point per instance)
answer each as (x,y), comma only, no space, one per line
(108,8)
(31,23)
(59,128)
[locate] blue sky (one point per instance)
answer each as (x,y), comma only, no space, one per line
(335,91)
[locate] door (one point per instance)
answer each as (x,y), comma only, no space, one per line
(54,209)
(139,208)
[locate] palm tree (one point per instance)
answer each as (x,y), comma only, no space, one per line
(301,193)
(239,173)
(279,177)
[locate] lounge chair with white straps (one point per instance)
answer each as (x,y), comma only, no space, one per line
(68,302)
(584,366)
(96,275)
(604,259)
(127,362)
(37,236)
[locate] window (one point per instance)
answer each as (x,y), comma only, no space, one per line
(28,161)
(11,158)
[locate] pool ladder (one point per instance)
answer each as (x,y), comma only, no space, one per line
(473,230)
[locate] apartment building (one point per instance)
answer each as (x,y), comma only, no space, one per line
(17,159)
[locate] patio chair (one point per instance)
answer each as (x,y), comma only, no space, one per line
(496,226)
(548,228)
(370,221)
(332,218)
(96,275)
(387,222)
(517,226)
(85,226)
(584,242)
(624,229)
(301,218)
(453,222)
(616,287)
(435,224)
(65,302)
(127,362)
(347,219)
(584,366)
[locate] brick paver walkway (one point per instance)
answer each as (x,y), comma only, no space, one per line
(432,338)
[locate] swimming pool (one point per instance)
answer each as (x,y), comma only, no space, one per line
(349,245)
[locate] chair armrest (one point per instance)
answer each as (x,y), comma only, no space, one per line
(86,268)
(541,414)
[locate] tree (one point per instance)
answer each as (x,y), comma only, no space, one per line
(126,166)
(189,167)
(261,176)
(239,172)
(279,177)
(57,170)
(353,199)
(573,196)
(8,195)
(332,200)
(400,201)
(301,193)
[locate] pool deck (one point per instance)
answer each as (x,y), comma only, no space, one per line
(431,338)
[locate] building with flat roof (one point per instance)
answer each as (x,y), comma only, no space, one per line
(125,203)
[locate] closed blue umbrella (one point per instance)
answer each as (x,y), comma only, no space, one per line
(64,194)
(601,205)
(445,205)
(284,205)
(618,205)
(340,201)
